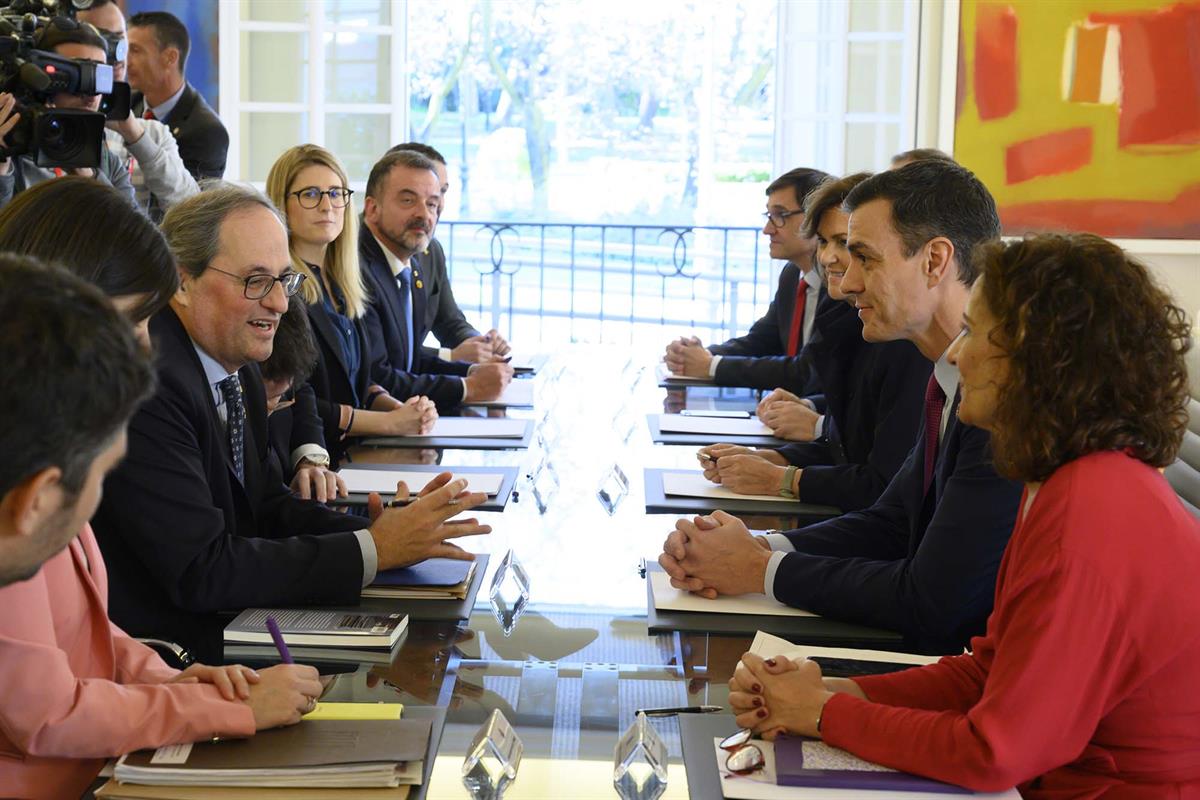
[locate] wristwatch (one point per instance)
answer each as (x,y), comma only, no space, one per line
(317,460)
(785,486)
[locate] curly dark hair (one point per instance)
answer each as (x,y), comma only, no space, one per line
(1096,354)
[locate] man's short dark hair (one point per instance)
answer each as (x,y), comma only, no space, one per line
(295,352)
(801,180)
(73,372)
(934,198)
(168,32)
(66,30)
(391,159)
(420,147)
(922,154)
(126,255)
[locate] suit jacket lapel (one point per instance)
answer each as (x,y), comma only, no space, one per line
(420,285)
(324,328)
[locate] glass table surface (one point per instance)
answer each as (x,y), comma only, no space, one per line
(579,662)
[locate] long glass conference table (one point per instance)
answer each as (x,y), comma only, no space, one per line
(578,663)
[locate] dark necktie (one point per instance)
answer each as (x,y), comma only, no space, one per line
(404,280)
(935,401)
(235,422)
(797,318)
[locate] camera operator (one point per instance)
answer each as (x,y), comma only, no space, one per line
(79,41)
(147,147)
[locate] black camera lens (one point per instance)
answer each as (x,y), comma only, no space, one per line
(53,133)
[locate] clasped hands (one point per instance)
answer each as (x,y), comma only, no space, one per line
(486,347)
(742,469)
(688,356)
(788,416)
(715,555)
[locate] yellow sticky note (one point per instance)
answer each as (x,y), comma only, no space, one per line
(356,711)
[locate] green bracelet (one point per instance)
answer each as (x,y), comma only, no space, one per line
(785,486)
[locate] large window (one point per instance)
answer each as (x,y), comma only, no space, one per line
(608,158)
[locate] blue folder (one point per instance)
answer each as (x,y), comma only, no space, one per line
(436,572)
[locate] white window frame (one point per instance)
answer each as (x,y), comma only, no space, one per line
(317,109)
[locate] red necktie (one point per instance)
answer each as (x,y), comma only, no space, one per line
(149,114)
(797,318)
(935,401)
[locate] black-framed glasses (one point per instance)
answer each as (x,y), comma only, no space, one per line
(778,218)
(310,196)
(744,757)
(258,286)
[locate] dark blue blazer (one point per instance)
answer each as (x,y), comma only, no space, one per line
(874,394)
(387,334)
(759,359)
(923,564)
(183,539)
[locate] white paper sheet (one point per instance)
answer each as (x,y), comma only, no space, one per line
(517,393)
(677,423)
(665,375)
(384,480)
(668,598)
(474,428)
(761,785)
(769,646)
(694,484)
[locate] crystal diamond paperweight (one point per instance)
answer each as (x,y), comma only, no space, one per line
(509,592)
(640,762)
(544,482)
(613,489)
(493,759)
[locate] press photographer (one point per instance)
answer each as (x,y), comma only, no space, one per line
(73,143)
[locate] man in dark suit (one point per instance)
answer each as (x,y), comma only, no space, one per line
(403,199)
(158,51)
(460,341)
(769,356)
(923,559)
(197,519)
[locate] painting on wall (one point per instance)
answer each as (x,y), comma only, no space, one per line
(1083,114)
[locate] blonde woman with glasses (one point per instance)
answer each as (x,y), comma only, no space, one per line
(311,189)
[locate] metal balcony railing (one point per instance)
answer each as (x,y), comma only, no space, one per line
(548,281)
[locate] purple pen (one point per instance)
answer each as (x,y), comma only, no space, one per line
(277,637)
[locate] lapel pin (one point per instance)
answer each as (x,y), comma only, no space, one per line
(420,285)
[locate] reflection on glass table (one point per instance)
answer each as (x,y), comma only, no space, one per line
(576,665)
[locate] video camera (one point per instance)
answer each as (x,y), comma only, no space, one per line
(55,137)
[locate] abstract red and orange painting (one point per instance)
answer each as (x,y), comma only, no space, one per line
(1083,114)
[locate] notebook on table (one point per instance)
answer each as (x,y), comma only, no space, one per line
(311,754)
(383,481)
(433,579)
(318,628)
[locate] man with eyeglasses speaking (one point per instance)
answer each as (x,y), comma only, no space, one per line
(766,357)
(197,519)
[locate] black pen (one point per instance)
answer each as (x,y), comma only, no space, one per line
(666,712)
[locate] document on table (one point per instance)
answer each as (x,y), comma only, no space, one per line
(665,374)
(677,423)
(694,484)
(362,481)
(769,646)
(474,428)
(668,598)
(517,393)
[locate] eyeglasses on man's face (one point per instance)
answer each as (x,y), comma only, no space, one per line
(310,196)
(259,285)
(778,218)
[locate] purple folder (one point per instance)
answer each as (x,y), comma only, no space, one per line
(790,771)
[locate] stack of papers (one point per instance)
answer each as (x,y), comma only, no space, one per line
(517,393)
(316,628)
(383,481)
(311,754)
(473,428)
(715,426)
(694,484)
(668,598)
(433,579)
(666,376)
